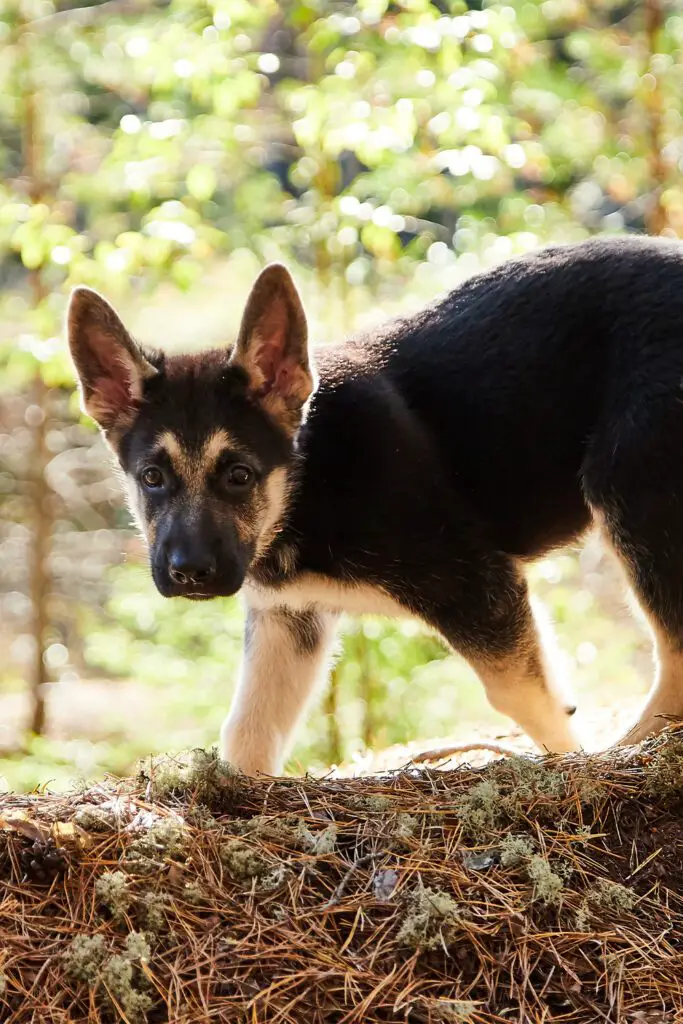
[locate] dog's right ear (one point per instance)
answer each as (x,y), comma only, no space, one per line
(111,368)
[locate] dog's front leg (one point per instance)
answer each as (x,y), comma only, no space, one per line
(285,654)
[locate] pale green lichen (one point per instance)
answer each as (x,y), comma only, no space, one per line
(481,808)
(199,816)
(613,896)
(84,958)
(376,803)
(118,976)
(124,981)
(137,947)
(406,826)
(432,919)
(548,885)
(96,819)
(290,832)
(249,866)
(665,770)
(515,850)
(518,852)
(209,779)
(325,841)
(451,1011)
(529,779)
(153,909)
(113,892)
(605,895)
(165,839)
(194,894)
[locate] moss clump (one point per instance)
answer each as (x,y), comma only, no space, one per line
(211,781)
(451,1011)
(325,841)
(515,850)
(665,771)
(118,976)
(406,826)
(432,919)
(605,896)
(84,958)
(137,947)
(547,884)
(481,809)
(248,866)
(518,852)
(96,819)
(153,912)
(529,779)
(194,894)
(165,838)
(290,832)
(199,816)
(376,803)
(113,891)
(124,981)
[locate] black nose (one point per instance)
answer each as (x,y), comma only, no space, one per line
(186,568)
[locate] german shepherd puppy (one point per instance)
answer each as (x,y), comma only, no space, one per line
(413,471)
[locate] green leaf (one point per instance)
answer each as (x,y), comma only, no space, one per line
(201,182)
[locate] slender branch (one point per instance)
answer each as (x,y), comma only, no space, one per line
(83,16)
(656,218)
(39,576)
(440,753)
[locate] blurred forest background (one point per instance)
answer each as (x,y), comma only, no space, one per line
(162,151)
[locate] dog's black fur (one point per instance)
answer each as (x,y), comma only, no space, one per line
(441,453)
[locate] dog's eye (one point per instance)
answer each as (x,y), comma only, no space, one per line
(239,476)
(152,478)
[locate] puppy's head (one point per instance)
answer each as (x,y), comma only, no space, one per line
(207,441)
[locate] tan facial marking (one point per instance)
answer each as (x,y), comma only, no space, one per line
(193,468)
(146,526)
(133,501)
(276,494)
(258,522)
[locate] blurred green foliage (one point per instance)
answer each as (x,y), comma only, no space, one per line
(386,151)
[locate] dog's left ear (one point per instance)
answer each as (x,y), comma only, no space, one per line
(272,347)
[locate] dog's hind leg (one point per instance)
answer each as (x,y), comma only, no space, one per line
(285,654)
(664,703)
(633,479)
(501,637)
(654,567)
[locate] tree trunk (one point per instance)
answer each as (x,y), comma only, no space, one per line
(41,538)
(37,413)
(656,219)
(334,740)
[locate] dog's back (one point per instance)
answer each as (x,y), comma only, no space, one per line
(498,390)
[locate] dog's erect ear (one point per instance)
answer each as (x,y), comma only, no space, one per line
(110,366)
(272,346)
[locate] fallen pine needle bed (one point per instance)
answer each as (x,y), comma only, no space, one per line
(530,890)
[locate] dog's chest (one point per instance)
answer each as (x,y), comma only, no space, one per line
(314,590)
